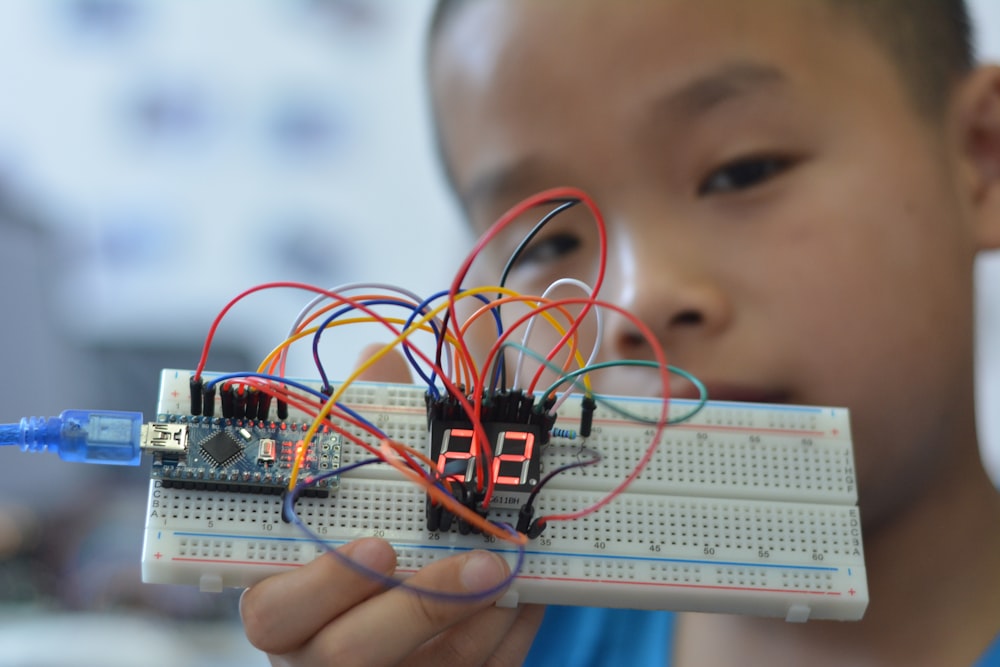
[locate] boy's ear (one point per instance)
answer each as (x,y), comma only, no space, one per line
(977,117)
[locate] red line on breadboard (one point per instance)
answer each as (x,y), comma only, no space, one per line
(666,584)
(181,559)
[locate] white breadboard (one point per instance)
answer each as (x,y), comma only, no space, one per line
(747,509)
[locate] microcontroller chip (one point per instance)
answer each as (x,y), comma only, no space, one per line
(221,448)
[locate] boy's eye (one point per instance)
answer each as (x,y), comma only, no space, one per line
(549,249)
(742,174)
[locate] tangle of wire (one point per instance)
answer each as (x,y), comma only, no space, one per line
(450,369)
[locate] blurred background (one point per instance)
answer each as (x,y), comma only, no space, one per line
(157,158)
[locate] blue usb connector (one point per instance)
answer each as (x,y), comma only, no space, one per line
(86,436)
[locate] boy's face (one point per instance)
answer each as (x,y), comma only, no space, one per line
(779,213)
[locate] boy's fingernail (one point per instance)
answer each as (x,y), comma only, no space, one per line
(243,594)
(482,570)
(370,553)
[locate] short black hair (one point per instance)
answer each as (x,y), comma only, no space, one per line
(929,41)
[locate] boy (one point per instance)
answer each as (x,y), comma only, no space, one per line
(795,192)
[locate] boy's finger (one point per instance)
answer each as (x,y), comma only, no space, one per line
(404,620)
(283,612)
(391,367)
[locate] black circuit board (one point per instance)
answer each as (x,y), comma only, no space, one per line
(246,456)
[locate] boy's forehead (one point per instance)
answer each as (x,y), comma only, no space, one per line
(555,35)
(495,59)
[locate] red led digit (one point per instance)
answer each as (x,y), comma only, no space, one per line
(524,457)
(461,437)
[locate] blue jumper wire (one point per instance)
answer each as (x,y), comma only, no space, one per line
(86,436)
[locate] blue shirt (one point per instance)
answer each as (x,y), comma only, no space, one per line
(588,637)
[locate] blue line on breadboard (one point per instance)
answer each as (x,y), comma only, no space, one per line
(527,552)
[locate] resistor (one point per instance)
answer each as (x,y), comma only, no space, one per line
(567,433)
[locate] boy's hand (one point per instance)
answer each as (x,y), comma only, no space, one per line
(325,613)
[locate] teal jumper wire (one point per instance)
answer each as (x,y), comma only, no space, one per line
(86,436)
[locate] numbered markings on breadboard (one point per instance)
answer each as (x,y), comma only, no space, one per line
(745,509)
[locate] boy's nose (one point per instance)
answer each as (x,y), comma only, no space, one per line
(672,293)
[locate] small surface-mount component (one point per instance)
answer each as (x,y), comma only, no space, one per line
(268,451)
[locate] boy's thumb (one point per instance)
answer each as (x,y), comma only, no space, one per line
(391,367)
